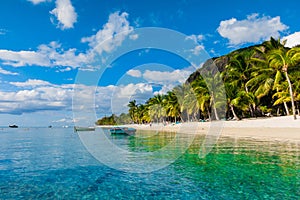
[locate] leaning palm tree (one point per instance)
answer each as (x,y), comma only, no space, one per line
(281,59)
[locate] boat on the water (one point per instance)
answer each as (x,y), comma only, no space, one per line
(13,126)
(122,131)
(81,128)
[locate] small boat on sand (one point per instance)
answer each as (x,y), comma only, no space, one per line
(13,126)
(81,128)
(122,131)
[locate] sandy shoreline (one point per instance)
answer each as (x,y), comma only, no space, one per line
(273,128)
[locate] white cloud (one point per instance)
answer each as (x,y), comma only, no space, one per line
(167,77)
(67,69)
(127,91)
(3,71)
(292,40)
(30,83)
(124,93)
(195,38)
(253,29)
(134,73)
(35,2)
(46,56)
(65,14)
(23,58)
(60,57)
(196,51)
(112,33)
(134,36)
(50,55)
(34,96)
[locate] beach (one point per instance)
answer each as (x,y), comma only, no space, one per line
(272,128)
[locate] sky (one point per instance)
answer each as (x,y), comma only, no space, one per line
(74,61)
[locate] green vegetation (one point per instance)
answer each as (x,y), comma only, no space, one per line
(114,120)
(259,80)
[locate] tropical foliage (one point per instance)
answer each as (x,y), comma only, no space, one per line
(260,80)
(114,120)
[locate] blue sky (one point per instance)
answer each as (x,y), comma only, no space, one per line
(48,47)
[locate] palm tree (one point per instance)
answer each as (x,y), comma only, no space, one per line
(133,110)
(180,92)
(273,44)
(191,104)
(283,96)
(264,78)
(217,92)
(156,109)
(238,73)
(281,60)
(171,105)
(202,95)
(142,114)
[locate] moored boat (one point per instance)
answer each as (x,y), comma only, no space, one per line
(122,131)
(80,128)
(13,126)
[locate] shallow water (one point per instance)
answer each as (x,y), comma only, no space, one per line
(40,163)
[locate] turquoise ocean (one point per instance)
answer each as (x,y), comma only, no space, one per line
(52,163)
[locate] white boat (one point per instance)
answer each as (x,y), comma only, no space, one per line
(81,128)
(122,131)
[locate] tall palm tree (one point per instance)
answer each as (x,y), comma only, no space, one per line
(191,104)
(156,109)
(202,95)
(282,60)
(133,110)
(217,92)
(171,105)
(264,78)
(238,73)
(180,92)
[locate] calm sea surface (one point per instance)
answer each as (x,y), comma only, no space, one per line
(42,163)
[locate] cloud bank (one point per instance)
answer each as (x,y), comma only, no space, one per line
(251,30)
(54,55)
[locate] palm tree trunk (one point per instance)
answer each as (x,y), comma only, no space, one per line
(233,112)
(214,107)
(278,109)
(251,111)
(209,117)
(286,108)
(291,94)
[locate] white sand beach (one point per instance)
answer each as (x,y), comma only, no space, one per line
(271,128)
